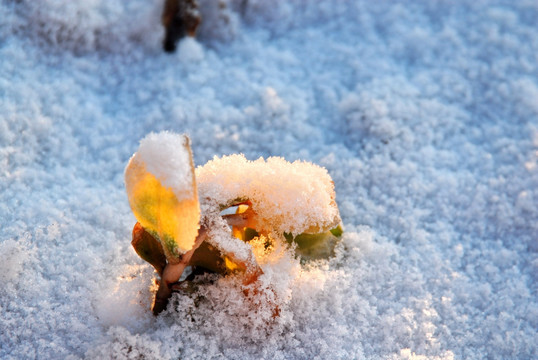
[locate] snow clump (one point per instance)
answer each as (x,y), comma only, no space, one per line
(287,197)
(166,155)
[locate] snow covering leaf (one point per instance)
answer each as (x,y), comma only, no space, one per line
(162,191)
(286,197)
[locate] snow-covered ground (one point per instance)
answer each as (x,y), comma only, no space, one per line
(424,113)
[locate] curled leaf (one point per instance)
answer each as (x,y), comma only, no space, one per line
(148,248)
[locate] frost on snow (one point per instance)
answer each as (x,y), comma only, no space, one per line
(423,113)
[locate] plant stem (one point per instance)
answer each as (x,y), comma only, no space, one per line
(172,273)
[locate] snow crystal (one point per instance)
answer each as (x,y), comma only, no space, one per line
(167,156)
(190,51)
(82,27)
(15,253)
(219,235)
(423,113)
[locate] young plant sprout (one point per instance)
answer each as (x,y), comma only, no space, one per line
(180,211)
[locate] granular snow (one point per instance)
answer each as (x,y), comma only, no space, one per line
(423,113)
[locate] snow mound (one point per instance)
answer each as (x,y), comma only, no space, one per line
(287,197)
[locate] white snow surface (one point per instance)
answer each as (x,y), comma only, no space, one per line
(425,114)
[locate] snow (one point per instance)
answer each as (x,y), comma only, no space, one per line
(423,113)
(287,197)
(167,156)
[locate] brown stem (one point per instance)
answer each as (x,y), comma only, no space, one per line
(172,273)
